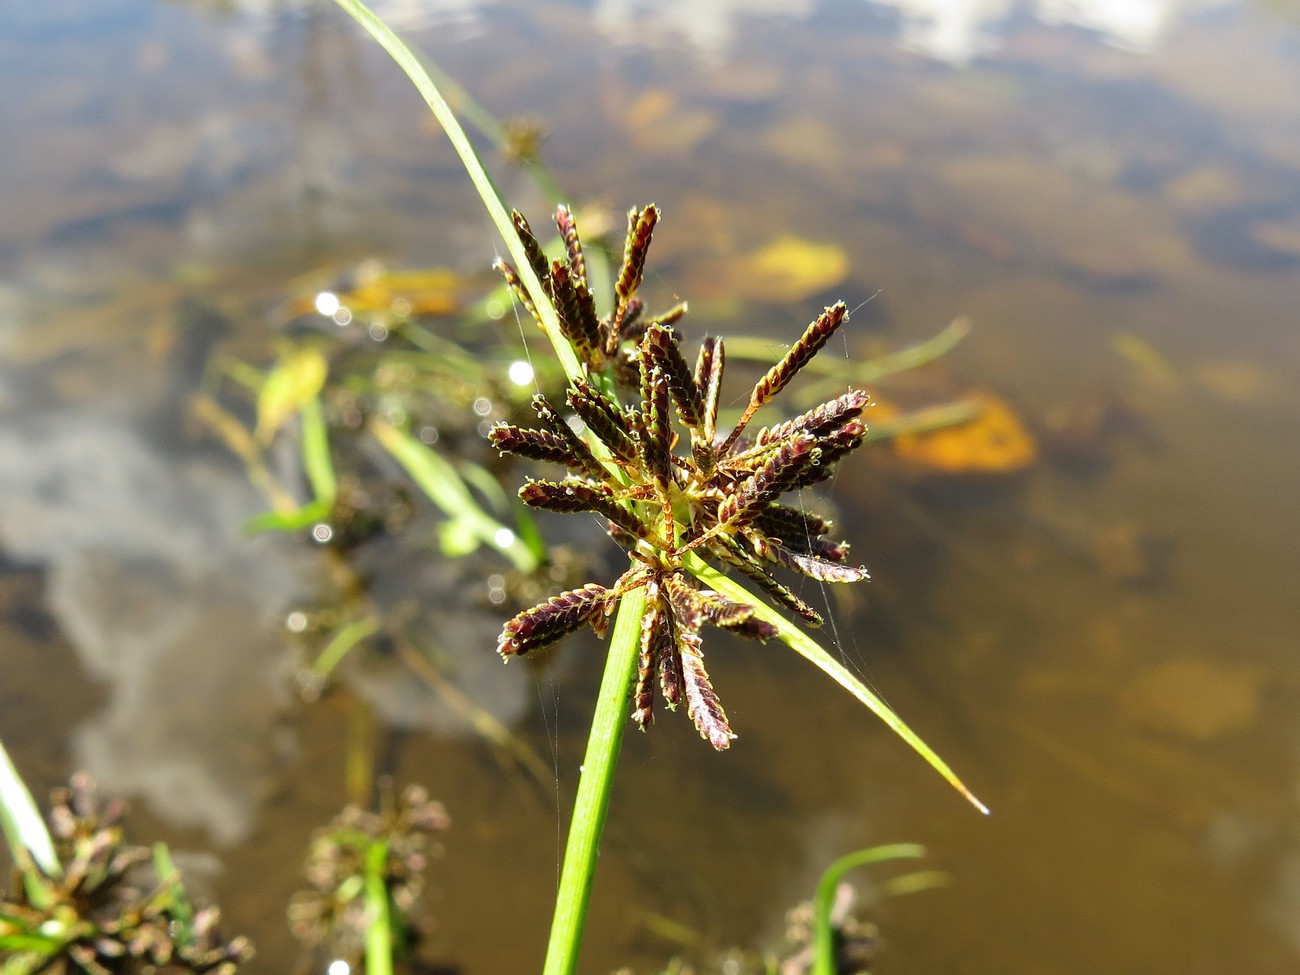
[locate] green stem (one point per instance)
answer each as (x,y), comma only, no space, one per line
(594,788)
(379,932)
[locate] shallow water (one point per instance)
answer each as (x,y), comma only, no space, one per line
(1102,645)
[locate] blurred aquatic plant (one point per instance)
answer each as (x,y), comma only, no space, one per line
(366,870)
(83,900)
(826,935)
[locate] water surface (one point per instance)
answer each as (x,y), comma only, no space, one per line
(1103,645)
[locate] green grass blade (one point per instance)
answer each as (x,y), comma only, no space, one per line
(807,647)
(21,819)
(344,640)
(594,787)
(443,485)
(409,62)
(824,899)
(316,458)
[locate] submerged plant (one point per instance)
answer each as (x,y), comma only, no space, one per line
(366,870)
(92,908)
(719,497)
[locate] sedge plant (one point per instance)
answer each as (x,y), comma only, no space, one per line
(686,500)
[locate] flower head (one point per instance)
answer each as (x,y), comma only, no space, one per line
(655,468)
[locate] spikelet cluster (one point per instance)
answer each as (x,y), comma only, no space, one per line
(668,482)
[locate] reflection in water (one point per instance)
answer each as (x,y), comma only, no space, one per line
(954,31)
(166,603)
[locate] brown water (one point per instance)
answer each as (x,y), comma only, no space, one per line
(1104,646)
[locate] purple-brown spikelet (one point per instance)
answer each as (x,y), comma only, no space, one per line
(792,527)
(702,704)
(582,460)
(548,621)
(536,257)
(810,343)
(572,245)
(517,289)
(577,313)
(603,417)
(823,570)
(778,474)
(535,445)
(834,447)
(659,346)
(655,629)
(570,496)
(656,437)
(818,421)
(640,227)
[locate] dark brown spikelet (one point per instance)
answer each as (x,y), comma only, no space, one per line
(782,471)
(535,445)
(702,703)
(640,227)
(517,289)
(572,245)
(833,447)
(569,496)
(709,363)
(582,459)
(731,553)
(708,606)
(792,527)
(656,436)
(810,343)
(536,257)
(656,627)
(819,421)
(823,570)
(578,320)
(753,628)
(603,417)
(549,621)
(659,346)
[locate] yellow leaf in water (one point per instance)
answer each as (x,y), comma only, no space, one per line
(792,268)
(296,379)
(994,442)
